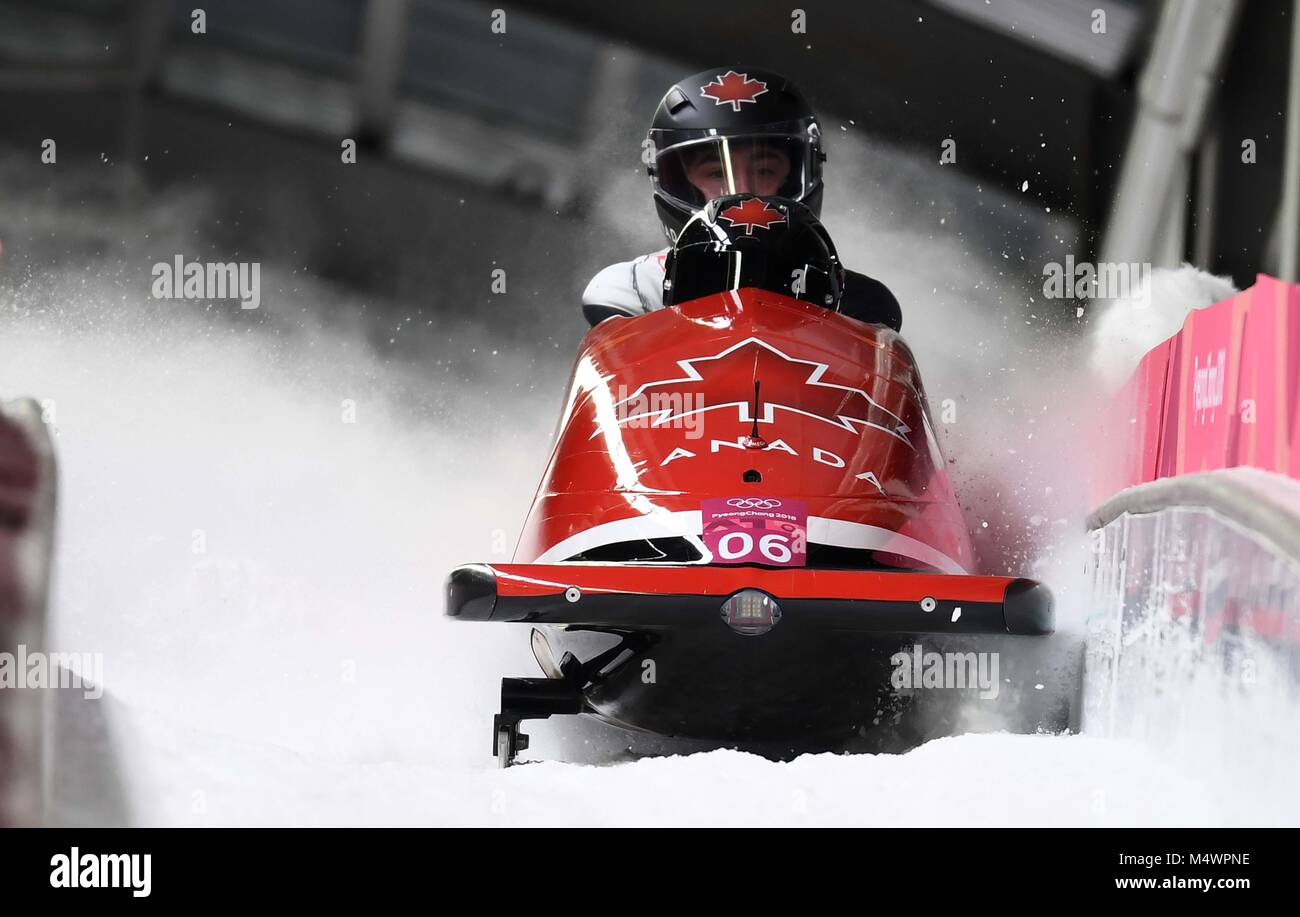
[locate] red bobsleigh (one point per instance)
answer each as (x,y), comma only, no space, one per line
(744,517)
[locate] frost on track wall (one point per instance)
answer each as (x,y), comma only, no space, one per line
(1194,648)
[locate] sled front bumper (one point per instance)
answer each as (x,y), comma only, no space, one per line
(668,596)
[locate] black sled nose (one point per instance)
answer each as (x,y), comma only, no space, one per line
(472,593)
(1027,608)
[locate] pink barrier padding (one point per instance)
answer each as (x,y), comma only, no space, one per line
(1127,450)
(1263,443)
(1221,393)
(1201,399)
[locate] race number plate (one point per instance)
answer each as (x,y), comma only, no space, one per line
(756,530)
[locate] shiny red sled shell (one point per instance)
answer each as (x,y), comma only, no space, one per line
(661,412)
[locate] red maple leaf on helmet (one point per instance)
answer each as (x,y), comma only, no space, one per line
(732,88)
(752,213)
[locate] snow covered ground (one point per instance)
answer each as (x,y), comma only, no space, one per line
(973,780)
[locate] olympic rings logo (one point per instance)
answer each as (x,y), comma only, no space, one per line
(753,503)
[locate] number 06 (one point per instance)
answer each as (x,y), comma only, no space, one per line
(773,546)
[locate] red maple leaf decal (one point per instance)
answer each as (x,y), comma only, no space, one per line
(791,387)
(732,88)
(752,213)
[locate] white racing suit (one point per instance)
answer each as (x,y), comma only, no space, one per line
(626,288)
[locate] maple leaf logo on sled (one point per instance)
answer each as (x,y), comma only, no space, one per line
(732,88)
(729,378)
(752,213)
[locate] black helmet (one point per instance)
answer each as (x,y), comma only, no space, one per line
(732,130)
(744,240)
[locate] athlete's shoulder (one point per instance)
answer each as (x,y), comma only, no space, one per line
(628,287)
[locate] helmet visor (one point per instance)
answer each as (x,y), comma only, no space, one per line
(697,171)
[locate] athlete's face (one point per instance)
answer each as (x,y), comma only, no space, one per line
(757,168)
